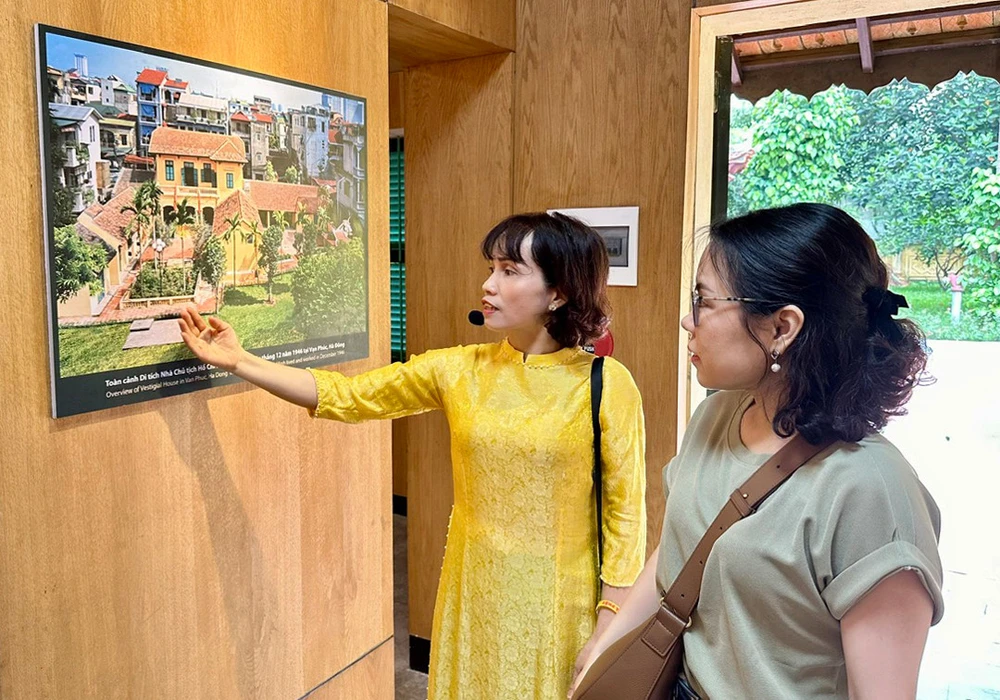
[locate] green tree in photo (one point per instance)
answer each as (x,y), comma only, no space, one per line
(232,231)
(77,263)
(183,218)
(329,291)
(269,174)
(145,206)
(209,260)
(291,175)
(62,195)
(270,252)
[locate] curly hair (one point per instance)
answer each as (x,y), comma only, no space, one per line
(573,259)
(852,366)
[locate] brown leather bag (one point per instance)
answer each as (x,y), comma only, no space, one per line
(643,665)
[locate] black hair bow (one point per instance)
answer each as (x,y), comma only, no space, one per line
(883,305)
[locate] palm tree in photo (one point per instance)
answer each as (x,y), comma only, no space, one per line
(184,217)
(152,196)
(233,227)
(139,208)
(254,235)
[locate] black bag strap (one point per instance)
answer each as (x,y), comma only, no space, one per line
(596,390)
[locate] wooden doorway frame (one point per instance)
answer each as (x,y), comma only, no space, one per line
(708,24)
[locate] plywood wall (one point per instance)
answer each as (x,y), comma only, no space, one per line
(457,118)
(491,21)
(214,545)
(600,120)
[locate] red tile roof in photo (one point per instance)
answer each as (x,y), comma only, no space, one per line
(133,159)
(178,84)
(151,77)
(282,196)
(237,204)
(331,184)
(197,144)
(261,117)
(110,219)
(240,117)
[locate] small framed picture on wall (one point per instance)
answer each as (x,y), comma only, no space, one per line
(619,227)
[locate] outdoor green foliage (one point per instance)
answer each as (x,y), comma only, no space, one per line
(78,263)
(269,173)
(329,290)
(907,161)
(913,162)
(163,281)
(797,151)
(930,308)
(981,246)
(291,175)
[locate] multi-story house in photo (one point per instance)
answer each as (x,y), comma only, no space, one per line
(78,138)
(156,91)
(115,92)
(309,138)
(205,169)
(347,164)
(117,140)
(253,128)
(196,112)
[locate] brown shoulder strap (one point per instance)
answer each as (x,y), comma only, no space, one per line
(683,594)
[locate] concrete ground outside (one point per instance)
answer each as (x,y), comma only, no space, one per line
(952,437)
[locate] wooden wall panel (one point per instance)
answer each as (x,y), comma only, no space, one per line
(416,40)
(458,184)
(600,120)
(489,20)
(371,678)
(396,100)
(214,545)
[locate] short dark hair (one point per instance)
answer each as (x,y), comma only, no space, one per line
(846,375)
(574,260)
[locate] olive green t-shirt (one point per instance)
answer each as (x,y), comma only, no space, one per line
(778,582)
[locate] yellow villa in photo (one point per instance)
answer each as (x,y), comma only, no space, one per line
(205,169)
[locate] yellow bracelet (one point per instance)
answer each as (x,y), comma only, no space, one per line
(608,605)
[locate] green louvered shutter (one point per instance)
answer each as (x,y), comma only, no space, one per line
(397,248)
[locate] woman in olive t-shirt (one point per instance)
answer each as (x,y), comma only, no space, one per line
(829,589)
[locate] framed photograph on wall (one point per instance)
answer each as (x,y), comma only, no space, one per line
(171,181)
(619,227)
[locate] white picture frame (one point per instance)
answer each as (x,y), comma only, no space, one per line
(619,226)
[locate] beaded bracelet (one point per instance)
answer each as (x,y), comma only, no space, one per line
(608,605)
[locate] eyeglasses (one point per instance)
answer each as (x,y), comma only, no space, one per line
(697,299)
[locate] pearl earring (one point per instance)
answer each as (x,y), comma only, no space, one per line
(775,367)
(553,306)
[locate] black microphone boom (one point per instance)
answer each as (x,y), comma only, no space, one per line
(476,318)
